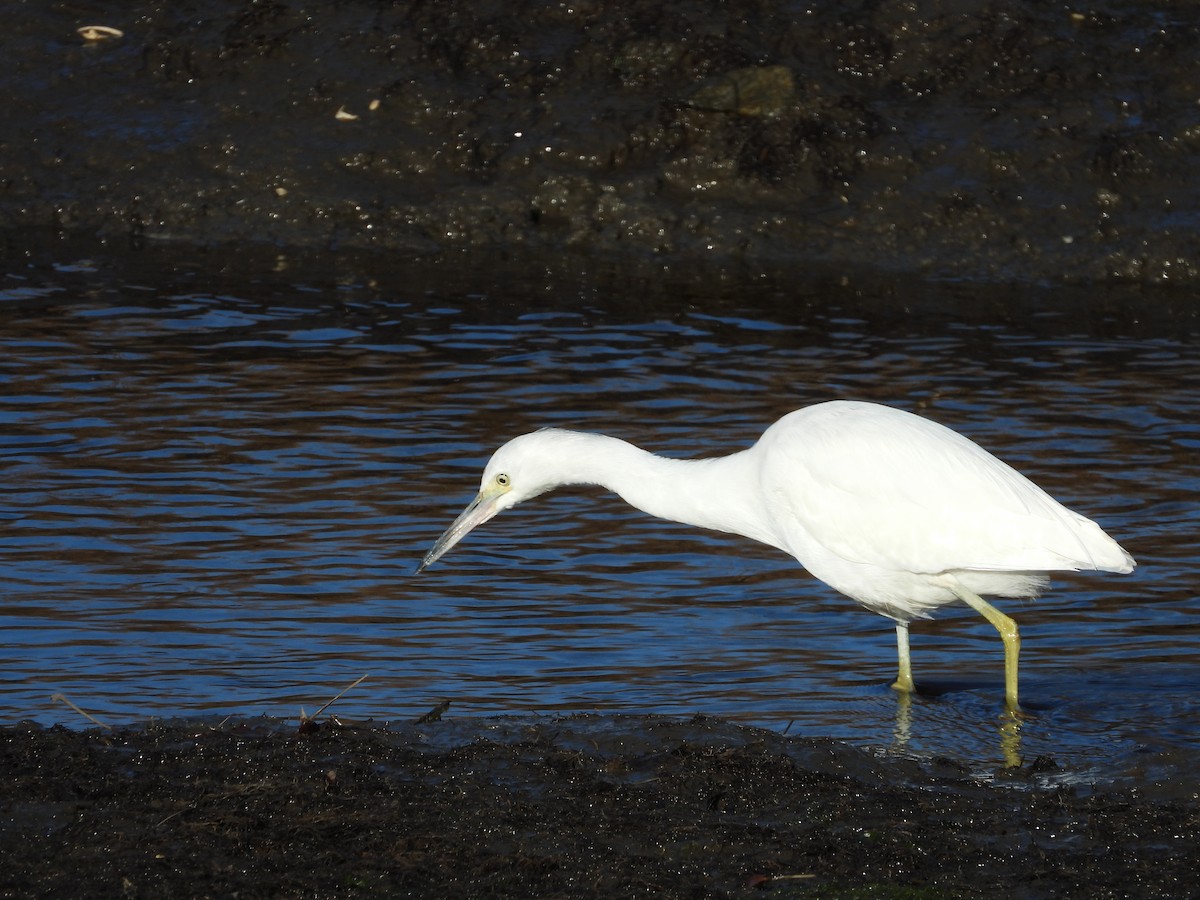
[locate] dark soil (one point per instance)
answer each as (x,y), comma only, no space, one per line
(576,807)
(991,139)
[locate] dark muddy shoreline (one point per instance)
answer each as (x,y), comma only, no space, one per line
(994,140)
(574,807)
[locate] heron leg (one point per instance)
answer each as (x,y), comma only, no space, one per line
(1009,633)
(904,680)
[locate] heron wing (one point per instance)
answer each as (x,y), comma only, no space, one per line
(879,486)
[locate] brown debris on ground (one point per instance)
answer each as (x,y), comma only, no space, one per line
(574,807)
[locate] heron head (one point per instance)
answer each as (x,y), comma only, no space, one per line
(517,471)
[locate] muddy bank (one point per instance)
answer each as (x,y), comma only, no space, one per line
(576,807)
(992,140)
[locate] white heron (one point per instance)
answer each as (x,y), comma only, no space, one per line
(891,509)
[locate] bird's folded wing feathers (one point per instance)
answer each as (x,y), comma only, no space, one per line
(908,494)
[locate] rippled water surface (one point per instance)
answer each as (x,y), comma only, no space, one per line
(217,488)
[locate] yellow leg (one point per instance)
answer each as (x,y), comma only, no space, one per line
(904,681)
(1009,633)
(1010,740)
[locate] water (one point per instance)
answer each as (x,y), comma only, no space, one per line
(217,487)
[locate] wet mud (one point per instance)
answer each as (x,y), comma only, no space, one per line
(999,140)
(573,807)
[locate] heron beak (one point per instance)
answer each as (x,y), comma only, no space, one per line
(482,508)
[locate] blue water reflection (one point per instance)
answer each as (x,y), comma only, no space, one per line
(216,493)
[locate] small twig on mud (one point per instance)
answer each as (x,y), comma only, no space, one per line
(210,798)
(761,881)
(434,714)
(63,699)
(334,700)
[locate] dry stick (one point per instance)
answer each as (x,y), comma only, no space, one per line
(88,716)
(337,698)
(208,798)
(434,714)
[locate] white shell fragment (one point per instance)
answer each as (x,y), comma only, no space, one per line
(99,32)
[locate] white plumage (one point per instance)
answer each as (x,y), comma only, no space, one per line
(897,512)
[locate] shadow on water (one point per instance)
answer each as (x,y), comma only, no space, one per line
(220,475)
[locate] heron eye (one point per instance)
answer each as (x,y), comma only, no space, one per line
(502,480)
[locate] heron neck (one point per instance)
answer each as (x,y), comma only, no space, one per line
(719,493)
